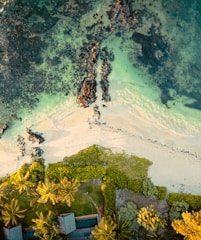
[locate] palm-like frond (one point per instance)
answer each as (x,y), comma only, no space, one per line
(3,187)
(122,229)
(21,183)
(105,230)
(67,190)
(11,213)
(45,226)
(47,192)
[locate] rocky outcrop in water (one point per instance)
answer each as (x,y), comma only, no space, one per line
(87,93)
(34,137)
(21,145)
(3,128)
(121,16)
(87,63)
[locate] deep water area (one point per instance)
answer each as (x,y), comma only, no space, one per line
(44,46)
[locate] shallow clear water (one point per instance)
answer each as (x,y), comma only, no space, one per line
(42,43)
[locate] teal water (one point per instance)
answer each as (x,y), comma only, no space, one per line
(43,44)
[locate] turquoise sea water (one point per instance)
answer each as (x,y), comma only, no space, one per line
(44,43)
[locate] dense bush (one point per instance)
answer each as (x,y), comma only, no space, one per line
(93,155)
(162,192)
(129,212)
(118,177)
(55,172)
(194,201)
(87,173)
(177,209)
(135,185)
(109,194)
(132,166)
(37,171)
(148,188)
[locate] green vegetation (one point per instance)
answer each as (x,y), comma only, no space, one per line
(189,226)
(132,166)
(148,188)
(177,209)
(43,224)
(151,221)
(115,169)
(111,228)
(162,192)
(194,201)
(129,212)
(75,186)
(11,213)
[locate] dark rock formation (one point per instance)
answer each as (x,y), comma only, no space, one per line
(36,152)
(154,48)
(34,137)
(3,128)
(120,16)
(87,93)
(21,145)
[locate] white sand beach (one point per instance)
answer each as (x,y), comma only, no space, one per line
(130,122)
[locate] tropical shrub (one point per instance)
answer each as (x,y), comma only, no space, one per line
(45,226)
(37,171)
(194,201)
(148,188)
(93,155)
(109,194)
(111,228)
(105,230)
(129,212)
(177,209)
(11,213)
(189,226)
(162,192)
(151,221)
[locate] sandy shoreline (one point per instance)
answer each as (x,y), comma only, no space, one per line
(130,122)
(176,157)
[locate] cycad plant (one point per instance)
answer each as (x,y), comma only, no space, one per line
(48,193)
(122,228)
(11,213)
(105,230)
(45,226)
(111,228)
(151,221)
(67,190)
(20,182)
(3,187)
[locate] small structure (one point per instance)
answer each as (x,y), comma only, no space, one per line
(77,228)
(13,233)
(84,226)
(66,223)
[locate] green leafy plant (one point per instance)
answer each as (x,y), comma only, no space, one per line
(11,213)
(129,212)
(177,209)
(151,221)
(189,226)
(67,190)
(194,201)
(21,183)
(105,230)
(45,226)
(111,228)
(148,188)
